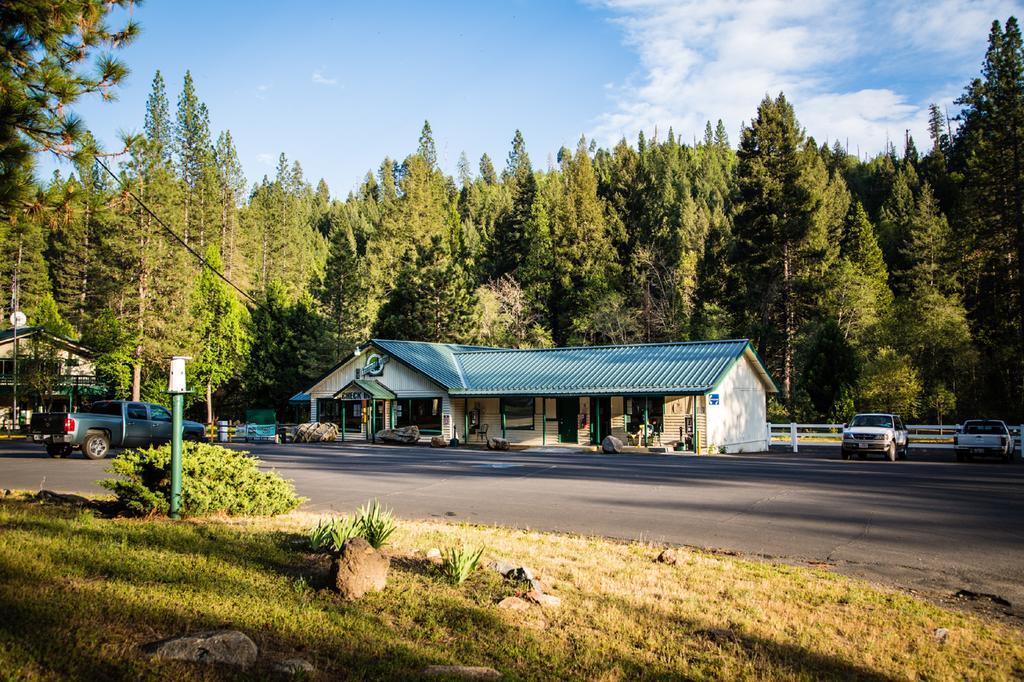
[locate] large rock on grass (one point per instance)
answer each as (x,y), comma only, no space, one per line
(611,445)
(496,443)
(438,442)
(359,569)
(227,647)
(403,434)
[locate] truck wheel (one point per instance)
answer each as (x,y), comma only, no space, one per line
(58,450)
(96,445)
(891,452)
(903,452)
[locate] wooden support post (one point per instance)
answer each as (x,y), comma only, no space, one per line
(647,402)
(372,421)
(544,421)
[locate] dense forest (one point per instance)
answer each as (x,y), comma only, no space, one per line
(893,282)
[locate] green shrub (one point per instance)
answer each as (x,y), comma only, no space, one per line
(457,563)
(376,524)
(214,480)
(331,533)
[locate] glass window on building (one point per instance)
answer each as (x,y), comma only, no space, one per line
(328,410)
(519,413)
(422,412)
(655,410)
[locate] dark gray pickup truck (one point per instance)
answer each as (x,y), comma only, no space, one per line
(108,424)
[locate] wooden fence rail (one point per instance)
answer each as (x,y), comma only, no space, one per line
(937,436)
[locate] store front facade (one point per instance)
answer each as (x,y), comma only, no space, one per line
(696,396)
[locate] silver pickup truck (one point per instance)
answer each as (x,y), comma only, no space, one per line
(983,437)
(107,424)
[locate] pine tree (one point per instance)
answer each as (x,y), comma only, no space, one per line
(222,335)
(487,172)
(54,53)
(584,264)
(427,151)
(158,127)
(990,147)
(195,163)
(508,246)
(774,216)
(231,185)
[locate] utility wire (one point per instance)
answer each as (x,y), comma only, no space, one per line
(174,234)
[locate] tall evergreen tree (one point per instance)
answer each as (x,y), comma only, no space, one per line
(774,214)
(221,333)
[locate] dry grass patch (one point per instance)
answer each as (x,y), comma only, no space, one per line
(81,593)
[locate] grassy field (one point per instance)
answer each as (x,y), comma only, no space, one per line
(79,593)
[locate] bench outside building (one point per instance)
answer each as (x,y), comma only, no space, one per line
(705,395)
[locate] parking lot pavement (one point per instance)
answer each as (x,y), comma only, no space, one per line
(932,525)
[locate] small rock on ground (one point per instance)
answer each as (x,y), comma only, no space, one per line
(668,556)
(503,567)
(514,604)
(522,574)
(433,553)
(50,496)
(465,672)
(229,647)
(940,635)
(548,600)
(294,666)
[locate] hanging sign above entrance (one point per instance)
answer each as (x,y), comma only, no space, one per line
(354,395)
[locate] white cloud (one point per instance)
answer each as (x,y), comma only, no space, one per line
(266,159)
(321,79)
(708,59)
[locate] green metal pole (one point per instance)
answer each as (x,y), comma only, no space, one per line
(177,408)
(597,420)
(372,422)
(465,413)
(344,420)
(544,422)
(503,420)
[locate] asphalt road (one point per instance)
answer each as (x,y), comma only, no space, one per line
(932,525)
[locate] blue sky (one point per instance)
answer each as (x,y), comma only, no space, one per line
(340,85)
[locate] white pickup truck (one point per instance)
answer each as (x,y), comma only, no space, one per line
(983,437)
(878,433)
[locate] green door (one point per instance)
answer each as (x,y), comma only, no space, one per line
(568,410)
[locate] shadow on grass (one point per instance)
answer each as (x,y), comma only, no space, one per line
(60,620)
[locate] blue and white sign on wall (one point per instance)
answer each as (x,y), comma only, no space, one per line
(713,399)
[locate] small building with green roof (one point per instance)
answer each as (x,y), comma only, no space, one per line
(702,395)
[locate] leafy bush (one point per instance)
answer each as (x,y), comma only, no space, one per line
(376,524)
(457,563)
(331,534)
(214,480)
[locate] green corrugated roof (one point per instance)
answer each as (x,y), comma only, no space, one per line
(373,387)
(435,360)
(659,368)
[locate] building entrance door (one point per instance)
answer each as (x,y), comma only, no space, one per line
(600,419)
(568,410)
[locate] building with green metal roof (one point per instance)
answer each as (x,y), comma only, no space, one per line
(54,372)
(696,395)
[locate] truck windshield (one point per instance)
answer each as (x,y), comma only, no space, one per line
(985,428)
(880,420)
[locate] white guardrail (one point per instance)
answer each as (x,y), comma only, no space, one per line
(939,437)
